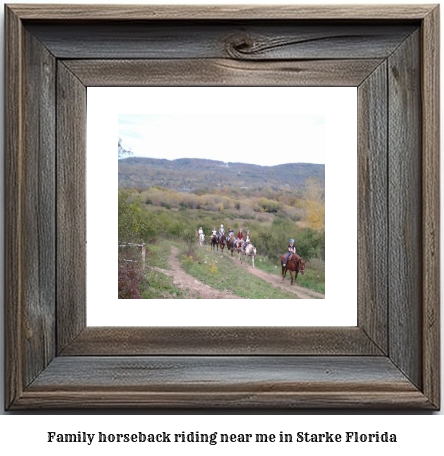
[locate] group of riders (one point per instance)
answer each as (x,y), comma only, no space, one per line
(241,242)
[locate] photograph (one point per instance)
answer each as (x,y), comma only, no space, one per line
(217,216)
(264,160)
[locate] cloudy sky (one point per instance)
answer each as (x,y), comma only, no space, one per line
(263,139)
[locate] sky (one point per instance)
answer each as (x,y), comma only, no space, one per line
(262,139)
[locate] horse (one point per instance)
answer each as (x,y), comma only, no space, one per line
(213,242)
(230,245)
(222,242)
(294,264)
(250,251)
(201,239)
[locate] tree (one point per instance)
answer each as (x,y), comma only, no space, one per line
(136,223)
(122,152)
(315,204)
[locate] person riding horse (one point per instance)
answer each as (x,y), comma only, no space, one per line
(221,230)
(201,236)
(214,239)
(291,249)
(240,238)
(246,241)
(295,264)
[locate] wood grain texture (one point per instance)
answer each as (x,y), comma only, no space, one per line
(430,94)
(405,210)
(13,210)
(239,382)
(220,12)
(39,207)
(221,72)
(236,40)
(259,401)
(71,206)
(94,341)
(372,207)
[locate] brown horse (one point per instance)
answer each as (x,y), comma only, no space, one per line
(230,245)
(222,242)
(213,242)
(294,264)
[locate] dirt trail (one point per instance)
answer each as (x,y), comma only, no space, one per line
(197,289)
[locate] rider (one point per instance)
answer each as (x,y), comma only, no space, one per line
(214,231)
(291,249)
(240,237)
(221,230)
(230,233)
(246,241)
(200,231)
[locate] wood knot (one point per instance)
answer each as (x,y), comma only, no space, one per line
(238,46)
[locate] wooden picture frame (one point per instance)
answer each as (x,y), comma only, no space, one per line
(390,360)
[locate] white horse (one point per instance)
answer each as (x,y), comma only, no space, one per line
(250,251)
(201,239)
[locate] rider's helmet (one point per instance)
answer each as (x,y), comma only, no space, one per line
(291,241)
(248,231)
(221,225)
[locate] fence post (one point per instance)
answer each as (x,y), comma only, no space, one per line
(143,255)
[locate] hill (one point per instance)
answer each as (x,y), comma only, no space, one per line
(191,174)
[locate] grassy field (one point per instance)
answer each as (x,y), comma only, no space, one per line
(217,270)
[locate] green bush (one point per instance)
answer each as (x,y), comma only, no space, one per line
(136,223)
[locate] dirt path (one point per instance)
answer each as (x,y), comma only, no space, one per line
(195,288)
(198,290)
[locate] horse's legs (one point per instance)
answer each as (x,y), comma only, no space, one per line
(284,272)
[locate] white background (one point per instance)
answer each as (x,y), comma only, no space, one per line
(20,434)
(337,104)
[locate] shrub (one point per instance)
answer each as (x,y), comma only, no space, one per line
(130,279)
(136,222)
(189,236)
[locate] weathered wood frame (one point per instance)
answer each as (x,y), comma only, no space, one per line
(390,360)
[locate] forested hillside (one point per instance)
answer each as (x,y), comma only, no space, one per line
(191,174)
